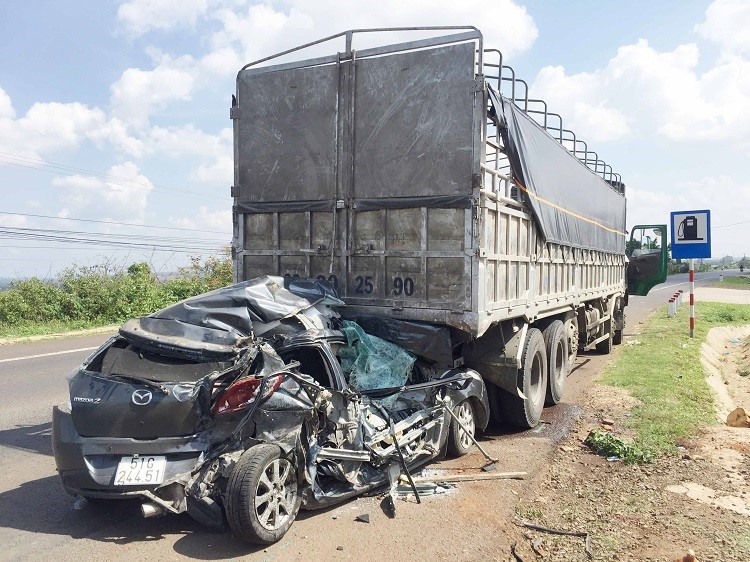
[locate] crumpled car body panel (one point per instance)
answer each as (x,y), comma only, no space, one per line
(159,388)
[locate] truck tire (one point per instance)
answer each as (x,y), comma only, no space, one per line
(558,367)
(604,347)
(617,337)
(618,313)
(262,498)
(532,380)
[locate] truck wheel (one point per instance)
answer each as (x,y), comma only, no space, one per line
(617,337)
(618,313)
(459,441)
(262,497)
(605,347)
(571,331)
(532,380)
(556,343)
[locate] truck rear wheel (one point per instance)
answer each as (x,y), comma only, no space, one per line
(532,380)
(604,347)
(558,367)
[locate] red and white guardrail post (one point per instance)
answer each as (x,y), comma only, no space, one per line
(692,299)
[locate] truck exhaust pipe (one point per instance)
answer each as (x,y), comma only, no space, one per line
(151,509)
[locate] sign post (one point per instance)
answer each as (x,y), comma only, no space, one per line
(691,238)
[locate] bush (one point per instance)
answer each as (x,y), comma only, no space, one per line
(103,294)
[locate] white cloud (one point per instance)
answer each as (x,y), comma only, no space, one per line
(220,221)
(13,221)
(6,107)
(138,93)
(49,126)
(583,103)
(123,196)
(187,140)
(141,16)
(643,91)
(261,29)
(220,171)
(728,24)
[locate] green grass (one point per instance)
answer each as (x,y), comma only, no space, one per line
(665,374)
(52,327)
(741,282)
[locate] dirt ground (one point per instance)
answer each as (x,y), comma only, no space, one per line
(698,501)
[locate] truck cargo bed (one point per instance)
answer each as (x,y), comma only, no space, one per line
(380,171)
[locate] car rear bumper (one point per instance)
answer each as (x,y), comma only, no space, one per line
(88,465)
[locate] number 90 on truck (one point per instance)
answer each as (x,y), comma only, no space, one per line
(423,182)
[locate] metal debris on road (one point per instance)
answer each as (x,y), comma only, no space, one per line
(586,537)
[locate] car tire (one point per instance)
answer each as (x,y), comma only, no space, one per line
(532,380)
(262,497)
(459,443)
(558,366)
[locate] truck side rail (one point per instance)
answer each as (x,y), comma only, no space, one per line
(517,91)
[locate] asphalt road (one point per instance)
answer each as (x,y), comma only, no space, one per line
(37,518)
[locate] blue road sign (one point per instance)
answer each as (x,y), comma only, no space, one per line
(691,234)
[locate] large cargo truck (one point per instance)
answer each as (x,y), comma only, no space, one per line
(421,180)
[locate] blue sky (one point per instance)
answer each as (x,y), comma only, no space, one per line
(119,111)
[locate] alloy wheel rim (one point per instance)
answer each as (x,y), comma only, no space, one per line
(275,495)
(466,416)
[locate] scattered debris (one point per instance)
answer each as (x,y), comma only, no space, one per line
(514,553)
(537,547)
(585,536)
(364,518)
(632,342)
(470,477)
(608,421)
(738,418)
(388,506)
(689,557)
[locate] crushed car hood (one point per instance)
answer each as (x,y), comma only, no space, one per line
(212,325)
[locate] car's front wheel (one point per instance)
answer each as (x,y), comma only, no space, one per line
(459,441)
(262,497)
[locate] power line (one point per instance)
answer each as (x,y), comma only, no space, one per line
(731,224)
(110,222)
(110,240)
(23,231)
(65,170)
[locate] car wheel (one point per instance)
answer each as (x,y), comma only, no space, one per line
(459,442)
(262,497)
(558,367)
(532,380)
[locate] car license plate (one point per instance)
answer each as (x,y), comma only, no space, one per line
(147,469)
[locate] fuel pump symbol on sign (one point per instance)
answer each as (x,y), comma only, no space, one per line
(688,229)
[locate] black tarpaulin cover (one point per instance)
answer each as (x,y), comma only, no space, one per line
(572,204)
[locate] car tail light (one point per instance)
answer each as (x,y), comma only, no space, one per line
(242,393)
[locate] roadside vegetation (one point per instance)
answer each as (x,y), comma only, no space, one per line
(661,368)
(86,297)
(739,282)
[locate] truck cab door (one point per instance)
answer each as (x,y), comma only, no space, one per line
(648,259)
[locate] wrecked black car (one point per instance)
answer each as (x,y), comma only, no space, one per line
(246,403)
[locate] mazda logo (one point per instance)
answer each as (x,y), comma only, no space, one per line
(142,397)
